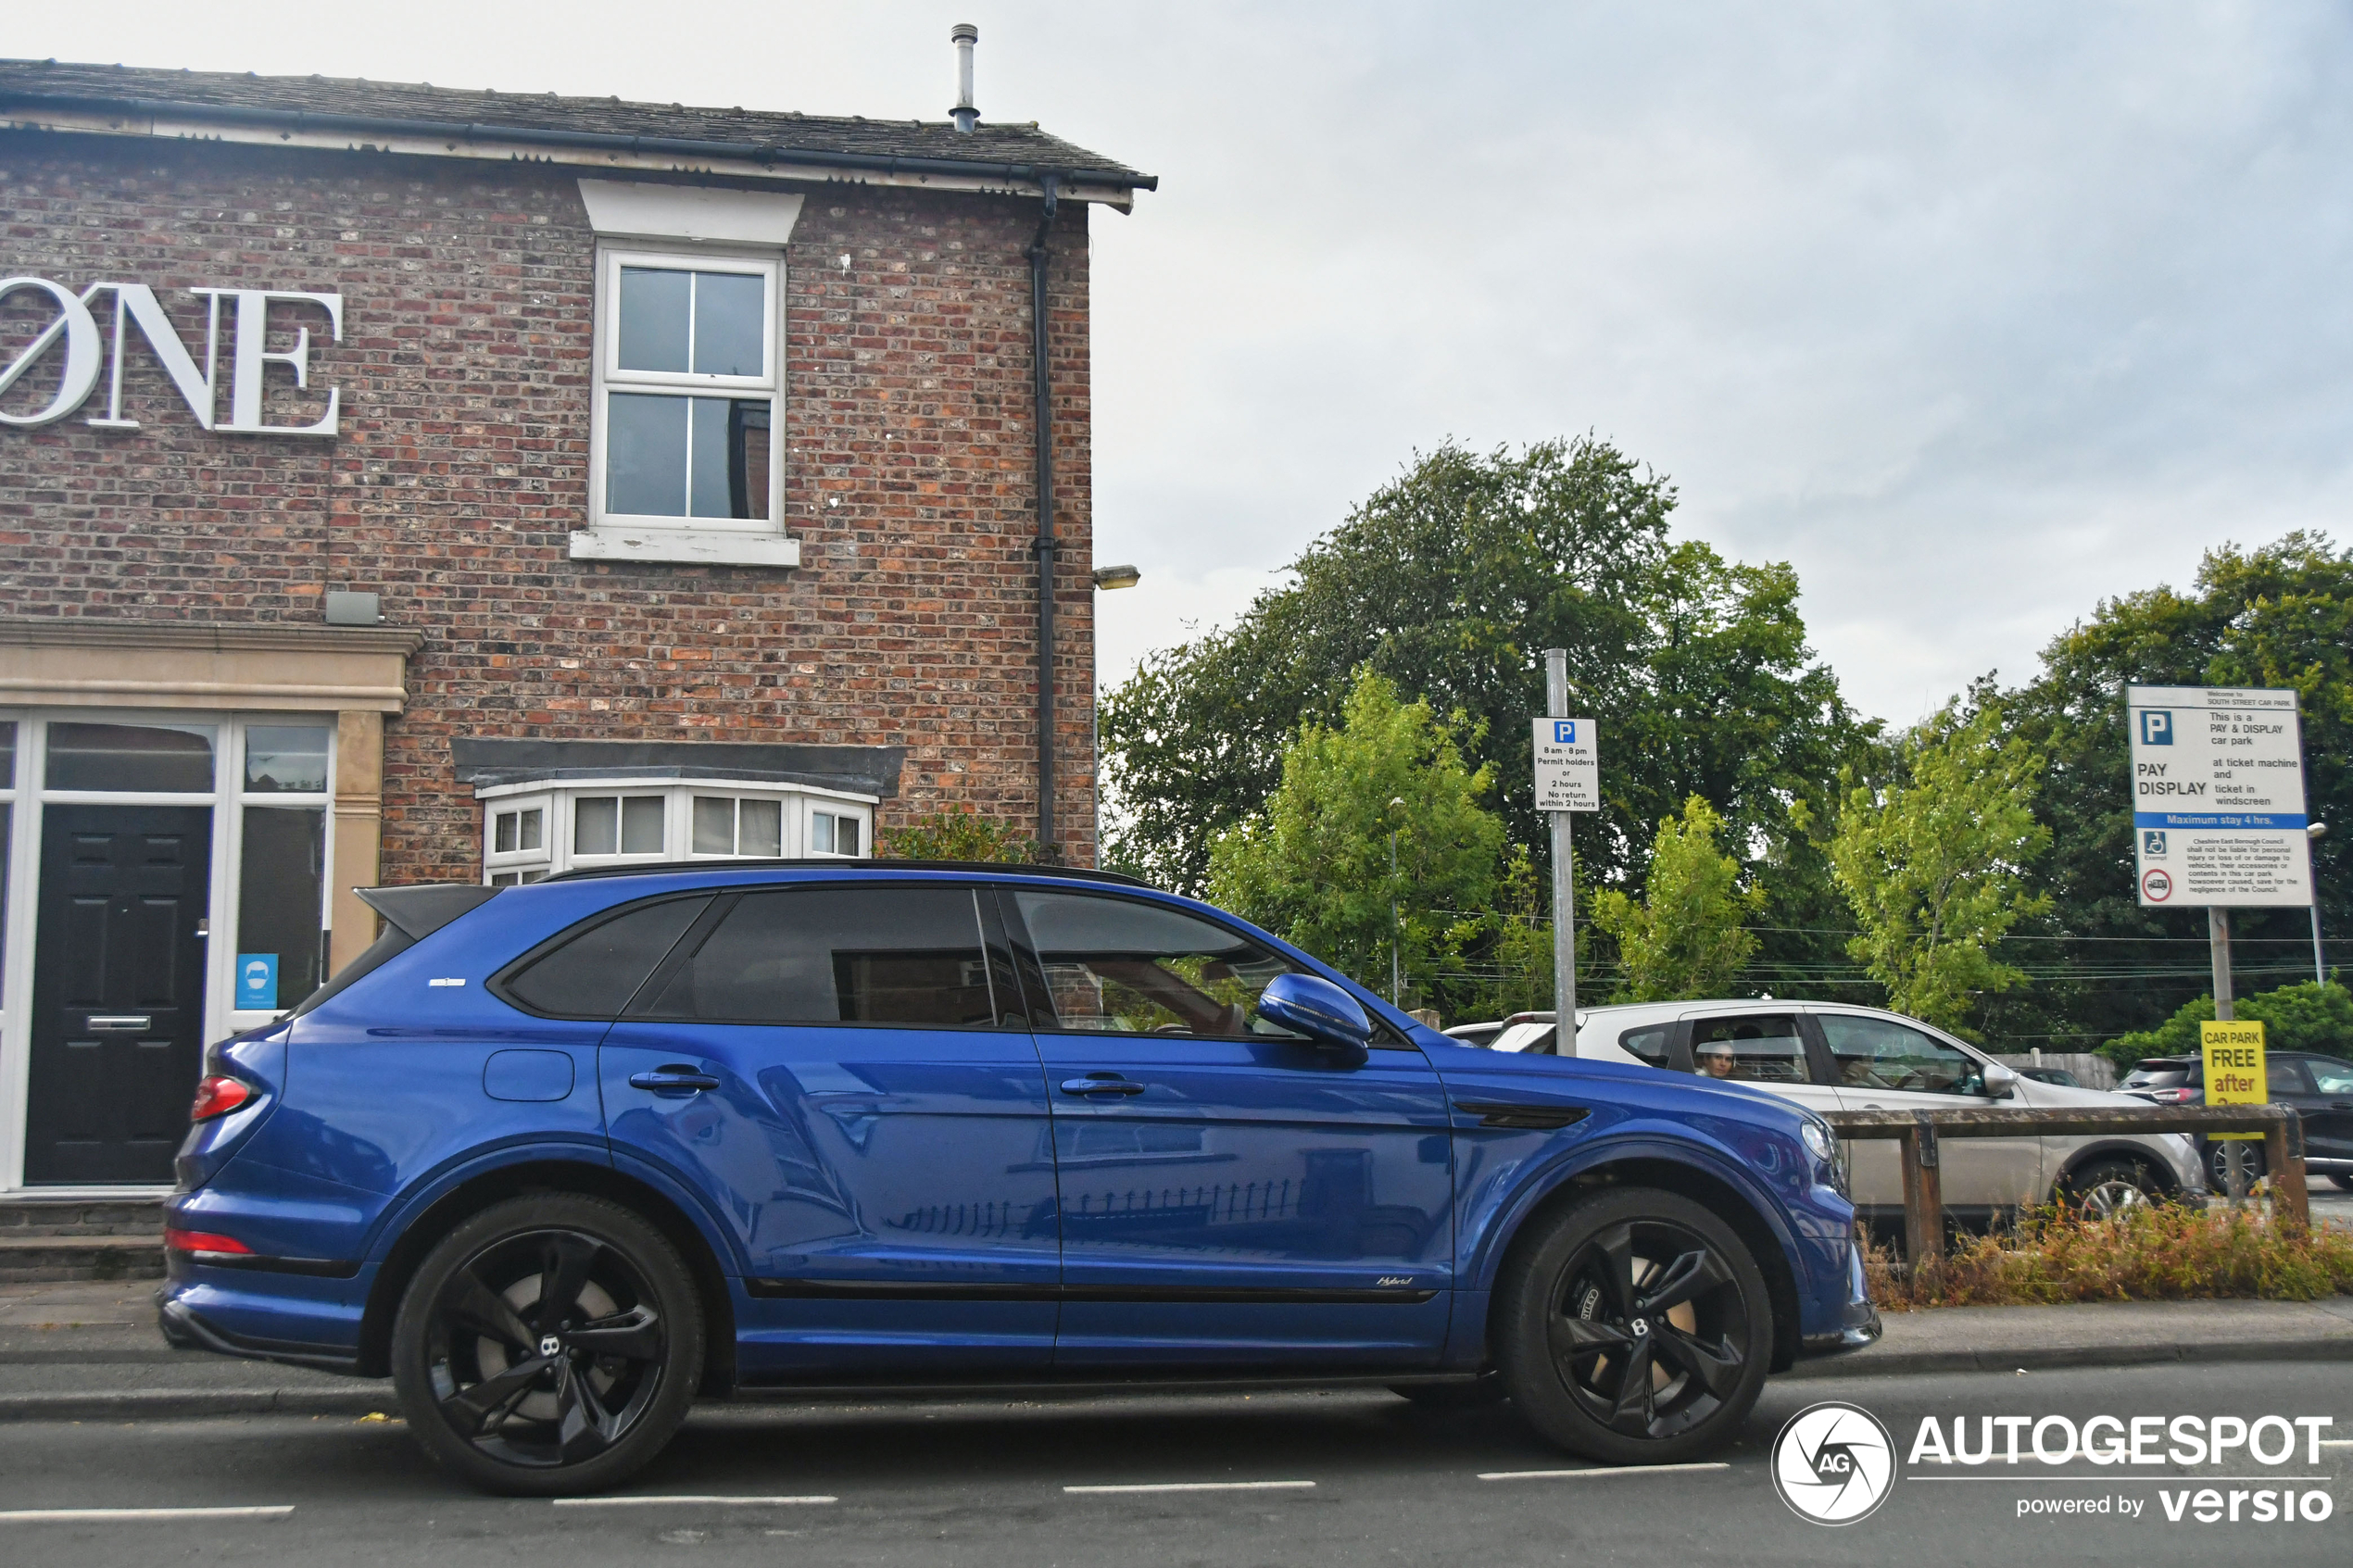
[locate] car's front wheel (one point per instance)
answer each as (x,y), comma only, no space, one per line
(2217,1158)
(1634,1328)
(2343,1182)
(550,1344)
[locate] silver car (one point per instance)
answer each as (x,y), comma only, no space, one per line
(1830,1056)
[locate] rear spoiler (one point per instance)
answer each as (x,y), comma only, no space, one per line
(417,912)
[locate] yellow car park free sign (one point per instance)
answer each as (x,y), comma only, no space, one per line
(2234,1073)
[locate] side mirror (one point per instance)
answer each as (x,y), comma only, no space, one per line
(1318,1009)
(2000,1081)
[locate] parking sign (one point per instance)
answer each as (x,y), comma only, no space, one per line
(1569,766)
(2218,797)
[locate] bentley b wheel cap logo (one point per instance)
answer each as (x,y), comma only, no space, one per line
(1640,1327)
(549,1345)
(1833,1463)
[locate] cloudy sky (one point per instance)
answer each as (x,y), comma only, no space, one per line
(1975,312)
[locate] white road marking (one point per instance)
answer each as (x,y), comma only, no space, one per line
(98,1515)
(1197,1486)
(1600,1470)
(706,1502)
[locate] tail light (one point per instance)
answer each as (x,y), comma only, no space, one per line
(177,1240)
(2172,1097)
(218,1096)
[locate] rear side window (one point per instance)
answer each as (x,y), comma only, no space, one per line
(903,954)
(1649,1043)
(1757,1049)
(593,969)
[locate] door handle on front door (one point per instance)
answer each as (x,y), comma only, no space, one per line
(1100,1084)
(675,1078)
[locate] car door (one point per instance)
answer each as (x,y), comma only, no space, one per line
(1884,1064)
(1230,1192)
(1765,1050)
(844,1072)
(2325,1103)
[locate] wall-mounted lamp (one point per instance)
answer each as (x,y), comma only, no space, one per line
(1118,577)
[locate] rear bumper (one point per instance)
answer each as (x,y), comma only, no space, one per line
(185,1329)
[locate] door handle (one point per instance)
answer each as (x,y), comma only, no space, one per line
(1100,1084)
(121,1021)
(673,1078)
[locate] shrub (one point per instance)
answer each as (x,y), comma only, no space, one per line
(958,833)
(2311,1017)
(2168,1252)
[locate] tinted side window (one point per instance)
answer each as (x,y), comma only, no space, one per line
(599,966)
(1650,1044)
(1874,1053)
(2330,1076)
(2283,1076)
(907,955)
(1122,966)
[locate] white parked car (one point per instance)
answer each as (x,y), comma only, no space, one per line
(1831,1055)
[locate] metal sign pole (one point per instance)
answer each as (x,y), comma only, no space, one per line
(2218,935)
(1563,878)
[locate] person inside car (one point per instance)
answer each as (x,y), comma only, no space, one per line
(1715,1058)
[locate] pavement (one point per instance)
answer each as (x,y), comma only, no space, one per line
(90,1351)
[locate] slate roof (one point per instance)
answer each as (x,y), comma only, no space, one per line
(65,85)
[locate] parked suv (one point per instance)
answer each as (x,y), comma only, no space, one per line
(1829,1056)
(556,1158)
(2320,1089)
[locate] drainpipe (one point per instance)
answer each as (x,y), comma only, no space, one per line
(1039,254)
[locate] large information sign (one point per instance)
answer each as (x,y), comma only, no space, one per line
(2218,797)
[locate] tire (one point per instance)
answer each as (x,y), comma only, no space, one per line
(2110,1186)
(1633,1328)
(1476,1395)
(2344,1183)
(532,1396)
(2216,1180)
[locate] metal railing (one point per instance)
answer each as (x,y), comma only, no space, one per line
(1919,1135)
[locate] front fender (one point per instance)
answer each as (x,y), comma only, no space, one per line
(1490,1220)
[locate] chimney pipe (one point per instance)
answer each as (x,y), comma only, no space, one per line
(965,36)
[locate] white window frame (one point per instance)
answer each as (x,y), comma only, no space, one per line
(609,377)
(523,865)
(797,806)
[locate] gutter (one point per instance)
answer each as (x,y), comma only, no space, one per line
(1040,255)
(294,122)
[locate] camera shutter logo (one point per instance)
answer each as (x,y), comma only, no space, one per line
(1833,1463)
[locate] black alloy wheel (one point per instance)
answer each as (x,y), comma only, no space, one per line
(1637,1329)
(549,1345)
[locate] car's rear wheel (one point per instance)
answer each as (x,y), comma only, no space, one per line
(2106,1189)
(549,1345)
(2344,1183)
(1634,1328)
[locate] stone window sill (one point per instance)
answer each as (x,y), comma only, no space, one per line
(688,546)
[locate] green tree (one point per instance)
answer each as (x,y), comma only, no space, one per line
(1450,581)
(2278,615)
(1933,862)
(958,832)
(1314,867)
(1688,936)
(2310,1016)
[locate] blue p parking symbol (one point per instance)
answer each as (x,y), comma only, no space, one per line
(1564,732)
(2157,727)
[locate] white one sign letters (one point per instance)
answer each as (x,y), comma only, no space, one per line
(136,305)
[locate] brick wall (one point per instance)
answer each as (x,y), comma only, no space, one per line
(462,466)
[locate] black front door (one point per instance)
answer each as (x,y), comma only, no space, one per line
(118,991)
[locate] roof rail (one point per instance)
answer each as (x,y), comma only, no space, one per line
(836,862)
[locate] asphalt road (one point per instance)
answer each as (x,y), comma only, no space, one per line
(1364,1477)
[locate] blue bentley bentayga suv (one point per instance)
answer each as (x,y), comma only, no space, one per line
(558,1159)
